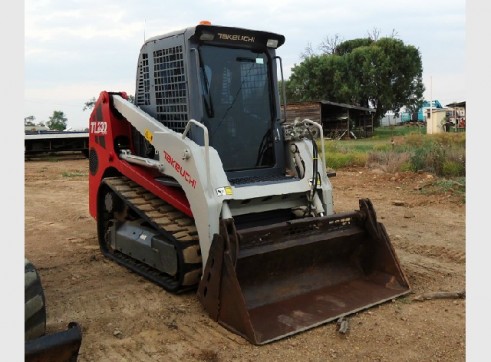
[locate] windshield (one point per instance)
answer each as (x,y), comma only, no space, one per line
(237,106)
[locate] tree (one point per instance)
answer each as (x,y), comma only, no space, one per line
(316,78)
(346,47)
(329,44)
(374,34)
(92,101)
(385,74)
(57,121)
(89,104)
(308,52)
(29,121)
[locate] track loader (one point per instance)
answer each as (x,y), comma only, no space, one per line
(200,184)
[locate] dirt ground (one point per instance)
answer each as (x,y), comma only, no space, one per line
(126,318)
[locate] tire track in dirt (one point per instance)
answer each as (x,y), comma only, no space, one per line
(428,274)
(178,318)
(434,251)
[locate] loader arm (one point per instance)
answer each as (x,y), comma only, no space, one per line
(197,169)
(200,173)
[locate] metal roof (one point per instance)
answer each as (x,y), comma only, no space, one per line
(344,105)
(341,105)
(456,104)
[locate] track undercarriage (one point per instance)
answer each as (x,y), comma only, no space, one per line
(148,236)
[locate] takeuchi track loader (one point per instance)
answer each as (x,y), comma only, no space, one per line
(200,184)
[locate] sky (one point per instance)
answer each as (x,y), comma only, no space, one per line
(75,49)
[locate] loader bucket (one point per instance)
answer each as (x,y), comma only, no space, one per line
(269,282)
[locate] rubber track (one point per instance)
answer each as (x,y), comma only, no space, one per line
(172,223)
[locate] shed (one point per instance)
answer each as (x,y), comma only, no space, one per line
(435,120)
(339,120)
(456,116)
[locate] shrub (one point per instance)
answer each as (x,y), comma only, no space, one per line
(382,148)
(439,158)
(390,161)
(341,160)
(442,154)
(454,186)
(418,159)
(414,140)
(449,139)
(451,169)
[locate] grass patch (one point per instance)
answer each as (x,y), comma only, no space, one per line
(75,174)
(389,161)
(397,131)
(401,148)
(343,160)
(52,159)
(446,186)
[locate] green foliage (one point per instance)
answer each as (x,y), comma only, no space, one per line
(395,131)
(389,161)
(384,147)
(318,77)
(414,140)
(405,166)
(29,121)
(89,104)
(385,73)
(348,46)
(419,159)
(340,155)
(454,186)
(448,139)
(341,160)
(75,174)
(441,154)
(452,168)
(57,121)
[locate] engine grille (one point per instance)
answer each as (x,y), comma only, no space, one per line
(241,181)
(143,93)
(168,102)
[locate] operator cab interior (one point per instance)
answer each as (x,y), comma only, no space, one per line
(237,102)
